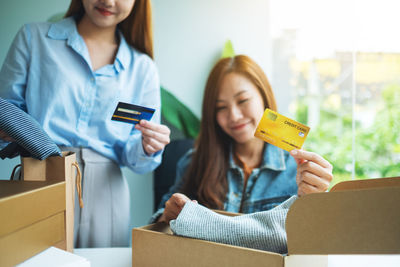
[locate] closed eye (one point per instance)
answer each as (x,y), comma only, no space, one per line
(243,100)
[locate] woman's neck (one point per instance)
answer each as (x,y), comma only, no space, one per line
(102,42)
(90,31)
(250,152)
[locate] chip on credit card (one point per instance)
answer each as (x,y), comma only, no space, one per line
(281,131)
(130,113)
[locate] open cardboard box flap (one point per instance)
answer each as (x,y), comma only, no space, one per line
(353,220)
(366,184)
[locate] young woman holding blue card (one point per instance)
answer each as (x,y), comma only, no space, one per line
(70,76)
(231,169)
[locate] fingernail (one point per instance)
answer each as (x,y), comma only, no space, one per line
(293,152)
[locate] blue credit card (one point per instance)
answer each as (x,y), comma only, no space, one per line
(130,113)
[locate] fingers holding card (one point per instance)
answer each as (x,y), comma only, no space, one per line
(155,136)
(154,132)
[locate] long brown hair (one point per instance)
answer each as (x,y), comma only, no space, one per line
(205,177)
(136,28)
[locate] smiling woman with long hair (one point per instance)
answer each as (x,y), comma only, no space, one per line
(231,169)
(70,76)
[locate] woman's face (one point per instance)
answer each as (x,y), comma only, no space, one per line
(239,107)
(107,13)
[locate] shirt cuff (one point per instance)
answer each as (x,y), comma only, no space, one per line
(156,215)
(144,155)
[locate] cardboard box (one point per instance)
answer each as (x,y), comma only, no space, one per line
(56,169)
(32,218)
(362,218)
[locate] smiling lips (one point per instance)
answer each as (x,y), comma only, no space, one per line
(104,11)
(238,127)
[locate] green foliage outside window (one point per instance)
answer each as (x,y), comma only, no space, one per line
(377,152)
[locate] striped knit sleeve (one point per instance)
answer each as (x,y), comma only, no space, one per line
(261,230)
(26,132)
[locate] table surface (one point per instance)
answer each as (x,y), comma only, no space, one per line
(122,257)
(99,257)
(82,257)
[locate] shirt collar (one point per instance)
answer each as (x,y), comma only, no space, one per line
(63,29)
(123,55)
(273,158)
(66,29)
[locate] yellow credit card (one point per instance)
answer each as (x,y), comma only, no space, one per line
(281,131)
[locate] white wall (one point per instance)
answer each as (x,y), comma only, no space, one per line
(190,35)
(13,14)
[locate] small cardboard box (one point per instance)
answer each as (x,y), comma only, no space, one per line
(32,218)
(357,217)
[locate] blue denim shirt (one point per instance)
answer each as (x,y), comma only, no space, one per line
(267,186)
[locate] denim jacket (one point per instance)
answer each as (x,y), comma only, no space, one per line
(267,186)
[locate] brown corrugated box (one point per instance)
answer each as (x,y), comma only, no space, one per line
(355,217)
(56,169)
(32,218)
